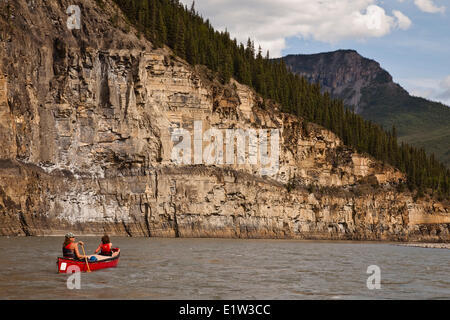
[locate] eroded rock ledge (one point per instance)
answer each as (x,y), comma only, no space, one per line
(195,201)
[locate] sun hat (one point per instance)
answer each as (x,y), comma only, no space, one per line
(70,235)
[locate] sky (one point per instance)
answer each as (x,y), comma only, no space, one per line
(409,38)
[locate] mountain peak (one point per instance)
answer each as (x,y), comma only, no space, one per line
(343,73)
(339,51)
(362,83)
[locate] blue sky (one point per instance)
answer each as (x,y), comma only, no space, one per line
(418,58)
(409,38)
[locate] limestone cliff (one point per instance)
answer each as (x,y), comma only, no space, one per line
(86,123)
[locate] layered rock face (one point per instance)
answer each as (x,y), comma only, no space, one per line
(89,123)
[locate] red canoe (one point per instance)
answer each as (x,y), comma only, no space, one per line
(67,265)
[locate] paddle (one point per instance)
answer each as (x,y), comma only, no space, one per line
(85,258)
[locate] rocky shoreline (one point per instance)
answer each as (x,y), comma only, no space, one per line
(426,245)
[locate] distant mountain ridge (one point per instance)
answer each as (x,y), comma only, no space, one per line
(363,84)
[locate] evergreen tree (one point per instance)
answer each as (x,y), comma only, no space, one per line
(168,22)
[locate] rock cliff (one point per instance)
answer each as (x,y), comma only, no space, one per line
(343,73)
(86,127)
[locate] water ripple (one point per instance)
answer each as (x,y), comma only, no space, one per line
(152,268)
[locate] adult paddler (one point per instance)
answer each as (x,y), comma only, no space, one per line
(70,247)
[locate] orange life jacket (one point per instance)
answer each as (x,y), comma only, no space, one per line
(106,249)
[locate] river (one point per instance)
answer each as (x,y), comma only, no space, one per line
(155,268)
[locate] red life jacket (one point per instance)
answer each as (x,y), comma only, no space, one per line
(106,249)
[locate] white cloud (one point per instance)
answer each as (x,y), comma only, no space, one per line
(270,22)
(403,21)
(429,88)
(445,95)
(428,6)
(445,83)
